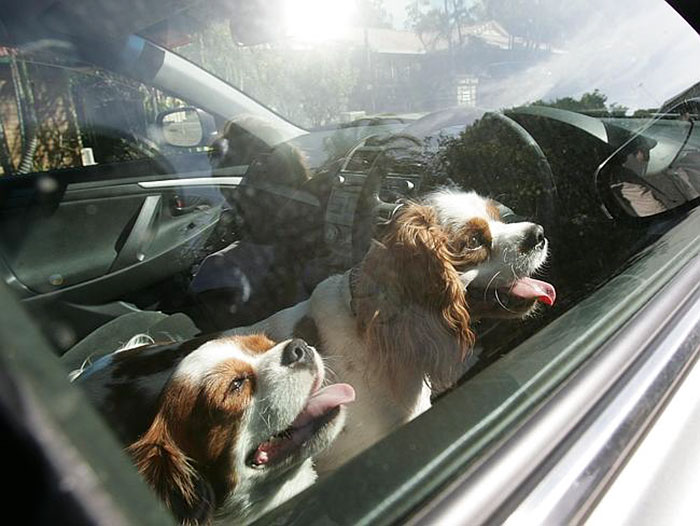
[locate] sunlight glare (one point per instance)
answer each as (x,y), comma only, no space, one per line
(318,20)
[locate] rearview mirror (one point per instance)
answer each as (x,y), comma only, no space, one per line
(185,127)
(657,168)
(254,22)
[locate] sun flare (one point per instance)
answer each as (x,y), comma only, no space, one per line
(318,20)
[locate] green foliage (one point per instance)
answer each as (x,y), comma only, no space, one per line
(593,102)
(490,157)
(532,22)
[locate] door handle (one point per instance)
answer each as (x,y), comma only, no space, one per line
(141,235)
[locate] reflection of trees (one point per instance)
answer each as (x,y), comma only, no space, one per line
(490,158)
(309,86)
(531,23)
(57,133)
(593,102)
(39,126)
(49,112)
(536,22)
(432,23)
(587,247)
(115,114)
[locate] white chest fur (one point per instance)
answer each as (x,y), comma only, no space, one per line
(379,408)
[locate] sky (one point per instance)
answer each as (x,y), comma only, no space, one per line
(638,52)
(397,10)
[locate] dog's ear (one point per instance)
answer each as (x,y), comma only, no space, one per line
(166,468)
(412,304)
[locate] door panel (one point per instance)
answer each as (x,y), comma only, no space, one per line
(47,245)
(81,232)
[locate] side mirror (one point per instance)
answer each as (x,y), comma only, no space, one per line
(657,168)
(186,127)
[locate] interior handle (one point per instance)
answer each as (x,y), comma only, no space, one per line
(141,235)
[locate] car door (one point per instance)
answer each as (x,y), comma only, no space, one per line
(95,208)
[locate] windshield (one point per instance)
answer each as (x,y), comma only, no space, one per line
(275,242)
(332,62)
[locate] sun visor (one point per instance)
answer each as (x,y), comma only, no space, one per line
(85,18)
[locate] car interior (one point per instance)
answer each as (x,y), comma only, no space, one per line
(142,234)
(149,238)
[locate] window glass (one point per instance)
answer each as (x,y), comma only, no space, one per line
(427,203)
(372,57)
(58,113)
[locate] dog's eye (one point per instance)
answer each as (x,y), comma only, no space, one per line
(237,384)
(475,241)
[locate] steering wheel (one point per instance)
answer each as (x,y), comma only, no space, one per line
(545,193)
(149,150)
(370,208)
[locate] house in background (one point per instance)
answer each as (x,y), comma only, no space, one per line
(403,71)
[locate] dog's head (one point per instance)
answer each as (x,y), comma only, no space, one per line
(439,263)
(495,259)
(237,418)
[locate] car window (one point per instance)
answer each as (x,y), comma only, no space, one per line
(320,259)
(59,113)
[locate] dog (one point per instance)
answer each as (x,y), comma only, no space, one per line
(224,429)
(398,325)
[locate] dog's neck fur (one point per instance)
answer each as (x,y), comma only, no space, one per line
(379,407)
(252,500)
(408,313)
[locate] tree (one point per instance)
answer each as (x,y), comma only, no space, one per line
(446,22)
(535,22)
(590,102)
(308,86)
(371,13)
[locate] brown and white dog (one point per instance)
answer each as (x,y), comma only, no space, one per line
(397,327)
(223,430)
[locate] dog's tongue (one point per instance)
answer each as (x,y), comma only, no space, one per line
(319,403)
(529,288)
(323,401)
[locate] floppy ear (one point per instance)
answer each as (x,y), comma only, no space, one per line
(171,474)
(410,299)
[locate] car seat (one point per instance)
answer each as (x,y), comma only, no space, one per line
(113,334)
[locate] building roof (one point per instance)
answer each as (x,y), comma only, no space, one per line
(407,42)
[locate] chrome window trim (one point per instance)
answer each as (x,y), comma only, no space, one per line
(192,181)
(659,482)
(540,470)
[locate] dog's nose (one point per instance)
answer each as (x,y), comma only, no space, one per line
(534,238)
(296,351)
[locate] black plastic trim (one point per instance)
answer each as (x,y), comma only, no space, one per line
(141,234)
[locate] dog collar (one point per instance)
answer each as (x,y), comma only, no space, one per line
(353,280)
